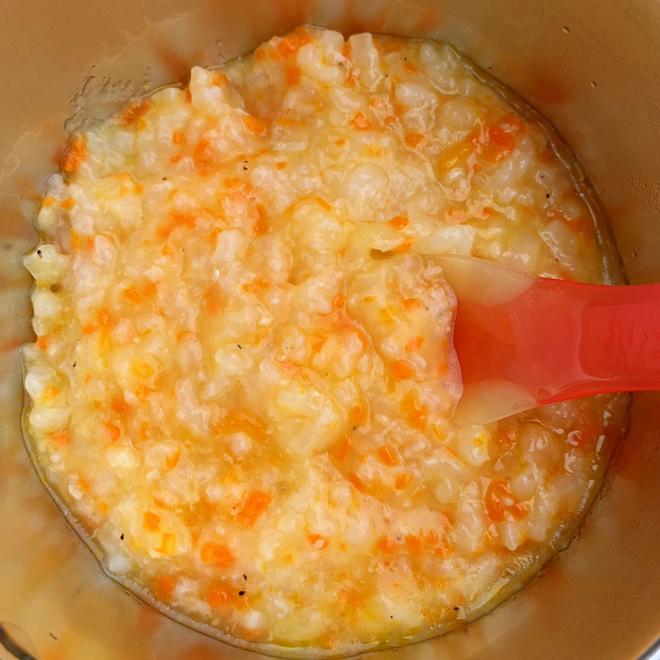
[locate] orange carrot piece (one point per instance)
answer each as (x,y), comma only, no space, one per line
(134,111)
(254,505)
(386,545)
(213,299)
(340,450)
(113,430)
(413,139)
(414,344)
(360,122)
(387,456)
(402,370)
(356,481)
(290,44)
(410,304)
(217,555)
(414,544)
(261,223)
(317,541)
(404,246)
(74,155)
(60,438)
(163,586)
(151,521)
(254,124)
(42,343)
(398,222)
(357,414)
(167,544)
(172,460)
(402,481)
(292,75)
(219,595)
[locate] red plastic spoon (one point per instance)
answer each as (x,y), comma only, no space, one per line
(524,341)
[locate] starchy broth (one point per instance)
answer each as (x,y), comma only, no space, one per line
(243,378)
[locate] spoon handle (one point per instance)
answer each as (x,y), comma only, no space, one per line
(562,340)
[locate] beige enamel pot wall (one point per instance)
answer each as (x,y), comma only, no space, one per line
(590,66)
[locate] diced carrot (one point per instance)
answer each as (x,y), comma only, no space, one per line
(352,597)
(386,545)
(143,391)
(410,304)
(432,538)
(51,392)
(413,139)
(60,438)
(217,555)
(416,413)
(389,120)
(131,293)
(387,456)
(42,343)
(339,301)
(213,299)
(253,506)
(68,203)
(172,460)
(167,544)
(48,201)
(281,165)
(254,124)
(519,510)
(323,203)
(204,157)
(402,370)
(163,586)
(113,430)
(178,137)
(360,122)
(414,544)
(151,521)
(220,79)
(317,541)
(261,223)
(398,222)
(103,317)
(402,480)
(357,414)
(404,246)
(356,481)
(414,344)
(219,595)
(341,449)
(317,340)
(292,75)
(290,44)
(74,155)
(499,500)
(134,111)
(501,138)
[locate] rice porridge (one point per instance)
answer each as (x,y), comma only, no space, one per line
(242,383)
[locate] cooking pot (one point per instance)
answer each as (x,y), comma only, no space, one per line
(590,67)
